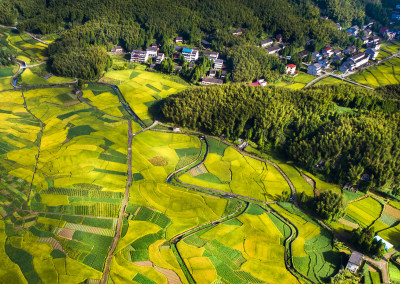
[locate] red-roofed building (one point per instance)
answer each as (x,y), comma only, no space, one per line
(383,31)
(290,69)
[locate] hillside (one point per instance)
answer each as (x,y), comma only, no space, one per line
(352,130)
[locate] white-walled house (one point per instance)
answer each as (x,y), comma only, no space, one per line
(314,69)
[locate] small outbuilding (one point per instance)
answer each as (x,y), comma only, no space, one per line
(354,262)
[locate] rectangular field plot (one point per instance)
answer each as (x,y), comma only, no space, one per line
(364,211)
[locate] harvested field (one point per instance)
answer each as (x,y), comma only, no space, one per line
(158,161)
(66,233)
(200,169)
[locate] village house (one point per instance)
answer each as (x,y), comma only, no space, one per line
(376,46)
(191,55)
(372,52)
(266,43)
(274,50)
(238,32)
(211,55)
(139,56)
(359,59)
(279,38)
(383,31)
(117,49)
(390,35)
(350,50)
(374,39)
(365,40)
(314,69)
(327,52)
(156,45)
(179,39)
(218,64)
(259,82)
(224,73)
(354,262)
(290,69)
(338,26)
(190,66)
(205,43)
(344,68)
(337,58)
(337,52)
(356,61)
(367,32)
(160,57)
(353,30)
(213,73)
(324,63)
(316,56)
(211,81)
(303,53)
(177,68)
(152,51)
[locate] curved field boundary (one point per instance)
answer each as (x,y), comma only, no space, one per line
(171,275)
(174,241)
(124,103)
(288,245)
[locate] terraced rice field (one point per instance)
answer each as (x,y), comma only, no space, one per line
(297,179)
(313,253)
(247,249)
(148,230)
(81,170)
(392,46)
(383,74)
(5,77)
(27,48)
(142,89)
(364,211)
(31,76)
(239,174)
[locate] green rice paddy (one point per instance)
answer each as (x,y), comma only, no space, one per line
(383,74)
(142,89)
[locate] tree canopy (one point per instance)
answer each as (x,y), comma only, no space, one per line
(354,130)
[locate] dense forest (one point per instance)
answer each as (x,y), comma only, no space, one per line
(353,130)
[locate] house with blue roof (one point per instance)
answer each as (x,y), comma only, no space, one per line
(190,55)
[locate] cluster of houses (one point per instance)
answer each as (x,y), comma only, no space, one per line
(349,58)
(270,47)
(142,56)
(190,55)
(322,60)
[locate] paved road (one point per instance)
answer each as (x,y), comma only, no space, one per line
(315,80)
(38,39)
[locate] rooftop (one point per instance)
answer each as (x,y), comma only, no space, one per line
(356,258)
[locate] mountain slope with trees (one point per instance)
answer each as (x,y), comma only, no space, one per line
(353,130)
